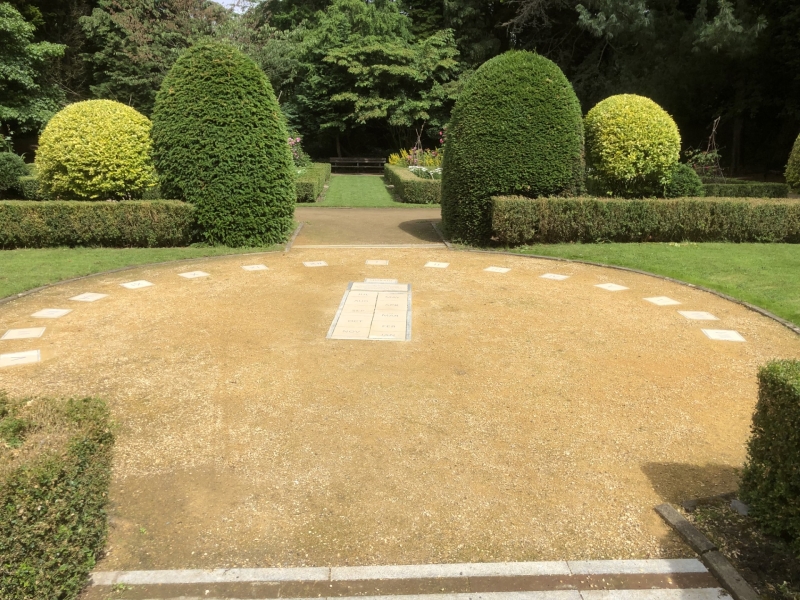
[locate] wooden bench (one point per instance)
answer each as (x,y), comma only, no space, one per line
(357,165)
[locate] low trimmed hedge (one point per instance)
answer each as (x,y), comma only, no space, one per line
(517,220)
(413,189)
(131,223)
(739,188)
(311,182)
(771,476)
(55,469)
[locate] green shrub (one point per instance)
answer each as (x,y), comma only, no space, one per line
(739,188)
(12,167)
(413,189)
(133,223)
(220,142)
(518,220)
(53,495)
(793,167)
(771,477)
(632,146)
(515,129)
(311,181)
(684,182)
(96,150)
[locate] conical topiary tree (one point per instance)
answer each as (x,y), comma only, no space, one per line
(793,167)
(219,142)
(516,128)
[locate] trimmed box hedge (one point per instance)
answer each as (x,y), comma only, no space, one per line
(739,188)
(413,189)
(517,220)
(311,182)
(131,223)
(771,477)
(54,479)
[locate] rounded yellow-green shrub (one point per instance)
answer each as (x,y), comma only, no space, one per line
(632,146)
(793,168)
(96,150)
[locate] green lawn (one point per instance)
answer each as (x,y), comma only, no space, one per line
(22,270)
(767,275)
(362,191)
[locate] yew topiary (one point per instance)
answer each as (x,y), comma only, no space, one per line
(632,146)
(793,167)
(515,129)
(12,167)
(96,150)
(684,182)
(219,142)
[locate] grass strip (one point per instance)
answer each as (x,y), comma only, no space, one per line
(762,274)
(26,269)
(360,191)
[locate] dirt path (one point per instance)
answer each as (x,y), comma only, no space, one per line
(527,419)
(341,226)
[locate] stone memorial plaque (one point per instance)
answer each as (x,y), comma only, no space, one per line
(23,334)
(315,263)
(611,287)
(89,297)
(51,313)
(194,274)
(554,276)
(724,335)
(377,263)
(437,265)
(366,314)
(497,269)
(380,280)
(662,301)
(20,358)
(255,267)
(135,285)
(698,315)
(379,287)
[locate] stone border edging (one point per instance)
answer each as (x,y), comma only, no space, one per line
(291,239)
(753,307)
(716,562)
(128,268)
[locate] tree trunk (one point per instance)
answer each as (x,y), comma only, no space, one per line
(736,154)
(338,147)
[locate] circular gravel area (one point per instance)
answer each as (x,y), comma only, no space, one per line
(527,418)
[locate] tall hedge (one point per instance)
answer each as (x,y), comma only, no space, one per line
(793,167)
(219,142)
(515,129)
(771,477)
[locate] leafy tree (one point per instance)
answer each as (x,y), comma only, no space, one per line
(134,43)
(362,67)
(27,101)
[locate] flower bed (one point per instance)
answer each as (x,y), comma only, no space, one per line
(412,189)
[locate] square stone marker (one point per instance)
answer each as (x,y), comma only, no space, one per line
(662,301)
(390,315)
(350,333)
(611,287)
(354,309)
(51,313)
(395,327)
(23,334)
(135,285)
(194,274)
(378,262)
(89,297)
(354,320)
(398,336)
(315,263)
(20,358)
(554,276)
(724,335)
(437,265)
(497,269)
(255,268)
(698,315)
(378,287)
(390,301)
(380,280)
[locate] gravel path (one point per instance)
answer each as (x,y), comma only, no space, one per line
(527,419)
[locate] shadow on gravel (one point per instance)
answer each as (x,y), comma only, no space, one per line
(421,229)
(676,482)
